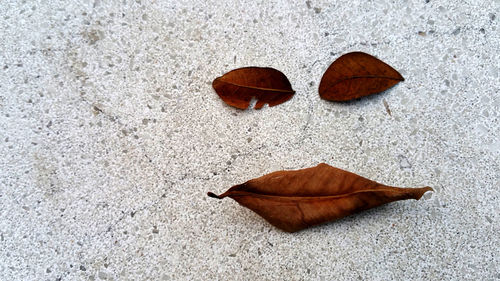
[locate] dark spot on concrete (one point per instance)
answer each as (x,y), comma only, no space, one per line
(311,83)
(427,1)
(456,31)
(93,36)
(317,10)
(422,33)
(232,255)
(96,110)
(403,162)
(492,16)
(308,4)
(155,230)
(132,214)
(82,268)
(482,30)
(387,109)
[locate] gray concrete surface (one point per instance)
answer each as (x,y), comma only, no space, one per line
(111,135)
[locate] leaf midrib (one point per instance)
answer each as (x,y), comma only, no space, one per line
(259,88)
(365,76)
(259,195)
(359,77)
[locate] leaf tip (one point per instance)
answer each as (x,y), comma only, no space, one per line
(422,191)
(213,195)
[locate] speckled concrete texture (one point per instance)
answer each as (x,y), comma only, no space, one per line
(111,135)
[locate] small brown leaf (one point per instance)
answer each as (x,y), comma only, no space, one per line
(356,75)
(267,85)
(294,200)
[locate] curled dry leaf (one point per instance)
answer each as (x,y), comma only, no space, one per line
(294,200)
(356,75)
(267,85)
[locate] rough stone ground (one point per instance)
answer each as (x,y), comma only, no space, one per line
(111,135)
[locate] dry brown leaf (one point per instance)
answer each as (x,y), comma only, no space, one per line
(267,85)
(294,200)
(356,75)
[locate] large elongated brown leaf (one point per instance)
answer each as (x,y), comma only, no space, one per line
(355,75)
(294,200)
(267,85)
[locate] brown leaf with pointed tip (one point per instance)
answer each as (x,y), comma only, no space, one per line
(294,200)
(267,85)
(356,75)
